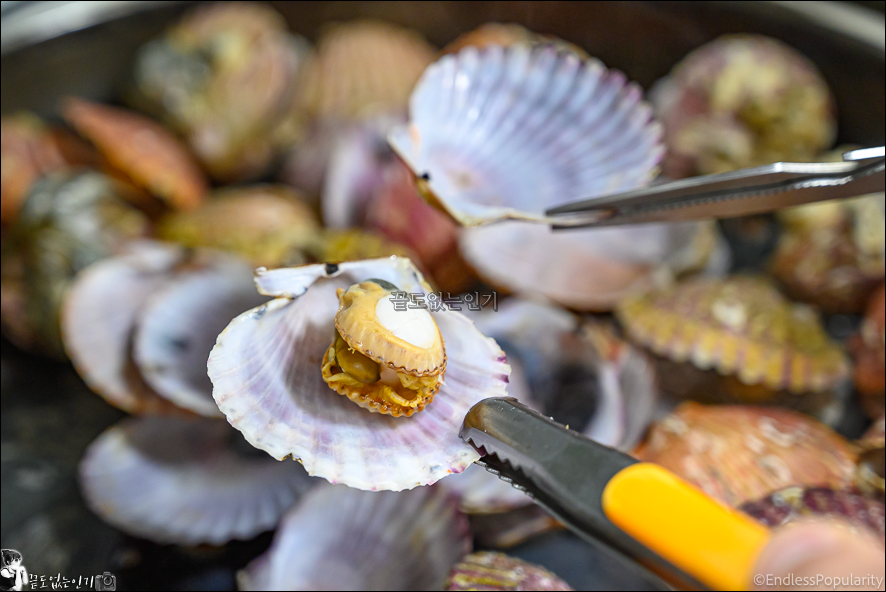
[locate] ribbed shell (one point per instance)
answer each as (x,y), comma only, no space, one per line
(742,101)
(342,539)
(184,481)
(363,68)
(740,326)
(507,132)
(738,453)
(179,324)
(787,505)
(265,370)
(142,150)
(267,224)
(98,318)
(498,572)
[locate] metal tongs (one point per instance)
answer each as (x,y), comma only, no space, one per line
(639,513)
(737,193)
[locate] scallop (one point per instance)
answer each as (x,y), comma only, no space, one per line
(338,538)
(178,325)
(186,481)
(742,101)
(501,133)
(140,327)
(142,150)
(793,503)
(267,380)
(736,339)
(498,572)
(738,454)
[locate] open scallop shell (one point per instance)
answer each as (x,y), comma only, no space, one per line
(341,539)
(174,480)
(179,324)
(506,132)
(739,453)
(498,572)
(265,370)
(98,317)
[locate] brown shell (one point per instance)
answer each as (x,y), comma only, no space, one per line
(357,324)
(495,571)
(738,453)
(506,34)
(27,153)
(268,224)
(869,350)
(142,150)
(739,326)
(875,437)
(787,505)
(363,68)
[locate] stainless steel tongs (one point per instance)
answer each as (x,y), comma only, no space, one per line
(737,193)
(639,513)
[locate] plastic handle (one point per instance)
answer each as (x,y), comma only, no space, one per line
(705,538)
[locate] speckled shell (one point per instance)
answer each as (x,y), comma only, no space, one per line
(495,571)
(362,68)
(179,323)
(69,221)
(738,454)
(267,224)
(189,482)
(787,505)
(359,327)
(501,133)
(741,101)
(869,350)
(265,370)
(739,326)
(226,76)
(142,150)
(342,539)
(98,317)
(587,270)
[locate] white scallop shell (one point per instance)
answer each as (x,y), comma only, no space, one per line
(186,481)
(179,324)
(508,132)
(586,269)
(99,313)
(342,539)
(265,370)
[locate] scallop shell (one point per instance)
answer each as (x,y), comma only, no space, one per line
(585,269)
(739,326)
(869,351)
(142,150)
(491,34)
(267,224)
(174,480)
(742,101)
(98,316)
(507,132)
(495,571)
(787,505)
(362,68)
(265,370)
(69,221)
(178,326)
(738,454)
(227,76)
(341,539)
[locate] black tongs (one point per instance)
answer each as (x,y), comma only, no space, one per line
(639,512)
(737,193)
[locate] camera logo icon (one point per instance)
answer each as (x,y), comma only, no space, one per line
(106,581)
